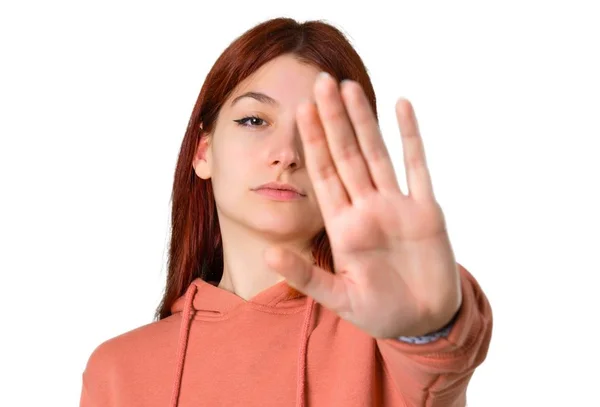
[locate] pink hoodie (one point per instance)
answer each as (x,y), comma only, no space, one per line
(275,350)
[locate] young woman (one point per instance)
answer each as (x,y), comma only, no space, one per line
(299,272)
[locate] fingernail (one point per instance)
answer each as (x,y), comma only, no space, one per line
(324,75)
(345,82)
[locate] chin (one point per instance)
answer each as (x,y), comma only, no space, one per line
(278,229)
(283,226)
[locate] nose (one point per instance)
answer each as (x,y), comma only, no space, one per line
(286,151)
(286,159)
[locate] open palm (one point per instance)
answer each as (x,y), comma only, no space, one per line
(395,272)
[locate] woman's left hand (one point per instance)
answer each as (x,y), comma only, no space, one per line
(395,271)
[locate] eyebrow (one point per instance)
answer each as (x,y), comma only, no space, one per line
(261,97)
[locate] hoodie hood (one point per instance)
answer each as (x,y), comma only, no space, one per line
(205,300)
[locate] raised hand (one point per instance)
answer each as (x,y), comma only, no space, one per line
(395,271)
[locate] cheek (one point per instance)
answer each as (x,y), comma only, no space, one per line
(233,170)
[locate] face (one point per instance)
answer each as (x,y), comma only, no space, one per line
(256,141)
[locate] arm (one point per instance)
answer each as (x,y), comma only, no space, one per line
(442,333)
(436,373)
(95,386)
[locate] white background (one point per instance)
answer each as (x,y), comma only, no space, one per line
(95,98)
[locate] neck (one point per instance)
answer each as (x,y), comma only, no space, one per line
(245,272)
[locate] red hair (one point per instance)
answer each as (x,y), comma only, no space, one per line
(195,248)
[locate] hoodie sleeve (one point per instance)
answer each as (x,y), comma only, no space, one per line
(95,388)
(87,398)
(442,333)
(436,373)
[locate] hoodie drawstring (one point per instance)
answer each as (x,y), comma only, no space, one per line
(184,335)
(301,379)
(183,340)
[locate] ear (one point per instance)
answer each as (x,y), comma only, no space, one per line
(203,157)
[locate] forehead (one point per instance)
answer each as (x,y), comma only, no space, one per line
(284,78)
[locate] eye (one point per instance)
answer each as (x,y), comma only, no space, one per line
(250,121)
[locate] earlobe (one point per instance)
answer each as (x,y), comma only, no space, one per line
(203,158)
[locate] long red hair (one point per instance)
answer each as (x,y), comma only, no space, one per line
(195,247)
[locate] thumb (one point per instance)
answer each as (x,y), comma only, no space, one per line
(326,288)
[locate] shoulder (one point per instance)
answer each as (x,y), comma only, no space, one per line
(137,356)
(133,346)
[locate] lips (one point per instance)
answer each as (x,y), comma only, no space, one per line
(278,191)
(283,187)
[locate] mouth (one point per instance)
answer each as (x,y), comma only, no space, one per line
(279,191)
(279,194)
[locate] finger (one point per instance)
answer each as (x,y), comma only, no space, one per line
(369,136)
(417,173)
(345,150)
(328,187)
(325,287)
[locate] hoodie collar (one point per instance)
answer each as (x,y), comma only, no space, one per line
(203,299)
(212,301)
